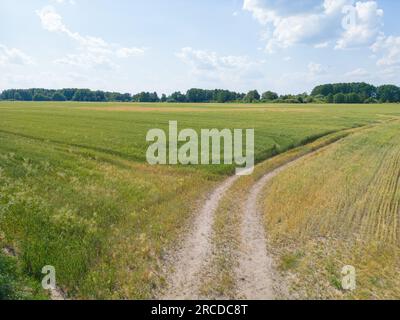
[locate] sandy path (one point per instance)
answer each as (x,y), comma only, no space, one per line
(255,266)
(196,251)
(255,271)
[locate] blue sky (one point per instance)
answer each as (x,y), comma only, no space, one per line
(130,45)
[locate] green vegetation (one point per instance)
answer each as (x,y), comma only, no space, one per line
(76,192)
(340,93)
(14,284)
(358,92)
(340,207)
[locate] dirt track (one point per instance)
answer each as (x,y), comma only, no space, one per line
(195,252)
(254,273)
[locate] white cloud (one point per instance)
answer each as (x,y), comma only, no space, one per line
(260,12)
(208,64)
(87,60)
(389,47)
(49,79)
(322,45)
(130,52)
(302,81)
(296,29)
(13,56)
(391,72)
(51,20)
(315,69)
(357,73)
(208,60)
(366,27)
(93,51)
(335,6)
(308,22)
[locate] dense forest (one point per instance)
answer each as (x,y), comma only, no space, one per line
(327,93)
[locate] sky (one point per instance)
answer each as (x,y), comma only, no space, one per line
(287,46)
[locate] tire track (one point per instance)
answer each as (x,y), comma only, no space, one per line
(254,274)
(255,271)
(193,257)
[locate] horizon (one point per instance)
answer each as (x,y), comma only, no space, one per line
(185,91)
(236,45)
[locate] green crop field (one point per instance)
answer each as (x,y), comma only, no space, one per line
(76,191)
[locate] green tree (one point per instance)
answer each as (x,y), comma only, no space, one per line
(84,95)
(252,96)
(353,98)
(339,98)
(388,93)
(371,100)
(40,97)
(59,97)
(364,90)
(269,96)
(196,95)
(17,96)
(177,97)
(146,97)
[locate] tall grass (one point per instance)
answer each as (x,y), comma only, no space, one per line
(341,207)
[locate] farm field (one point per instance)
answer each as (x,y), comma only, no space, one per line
(76,191)
(340,207)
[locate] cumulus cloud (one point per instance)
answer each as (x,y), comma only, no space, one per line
(208,64)
(335,6)
(51,20)
(129,52)
(389,48)
(357,73)
(322,45)
(317,22)
(93,51)
(315,69)
(366,26)
(13,56)
(87,60)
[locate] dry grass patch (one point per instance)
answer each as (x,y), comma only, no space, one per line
(340,207)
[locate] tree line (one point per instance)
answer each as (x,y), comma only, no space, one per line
(327,93)
(64,95)
(359,92)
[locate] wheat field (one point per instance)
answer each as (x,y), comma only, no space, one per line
(340,207)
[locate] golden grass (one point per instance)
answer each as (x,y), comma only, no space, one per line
(340,207)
